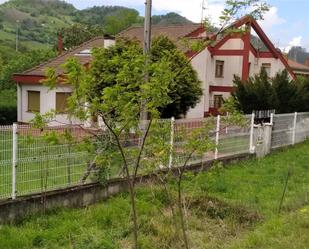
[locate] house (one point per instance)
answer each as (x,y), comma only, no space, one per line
(229,55)
(216,65)
(299,69)
(34,97)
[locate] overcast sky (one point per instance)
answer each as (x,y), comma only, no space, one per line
(286,23)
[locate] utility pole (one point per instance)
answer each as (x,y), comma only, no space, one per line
(17,35)
(147,45)
(147,27)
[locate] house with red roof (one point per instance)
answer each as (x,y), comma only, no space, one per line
(229,54)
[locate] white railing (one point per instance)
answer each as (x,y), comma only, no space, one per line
(36,161)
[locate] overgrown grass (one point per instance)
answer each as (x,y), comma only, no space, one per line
(233,207)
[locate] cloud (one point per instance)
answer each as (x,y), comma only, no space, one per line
(271,19)
(295,42)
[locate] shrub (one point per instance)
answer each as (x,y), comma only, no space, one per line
(8,115)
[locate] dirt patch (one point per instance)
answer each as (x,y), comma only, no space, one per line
(218,209)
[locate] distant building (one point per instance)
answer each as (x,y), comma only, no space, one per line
(216,65)
(229,55)
(299,69)
(33,97)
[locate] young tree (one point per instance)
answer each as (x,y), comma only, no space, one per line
(116,95)
(118,105)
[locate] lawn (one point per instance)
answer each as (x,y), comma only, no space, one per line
(228,208)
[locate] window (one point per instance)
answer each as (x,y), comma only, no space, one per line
(266,67)
(62,102)
(219,69)
(218,101)
(33,101)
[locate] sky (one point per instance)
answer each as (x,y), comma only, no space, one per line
(286,23)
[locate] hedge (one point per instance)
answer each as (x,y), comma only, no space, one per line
(8,115)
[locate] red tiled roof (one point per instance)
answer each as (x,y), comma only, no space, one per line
(173,32)
(297,66)
(59,60)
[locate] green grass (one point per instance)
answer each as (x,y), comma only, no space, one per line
(233,207)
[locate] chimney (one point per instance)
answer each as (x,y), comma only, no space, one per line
(109,41)
(307,62)
(60,44)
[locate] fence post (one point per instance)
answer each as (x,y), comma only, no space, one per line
(14,159)
(217,136)
(294,128)
(252,148)
(272,118)
(170,162)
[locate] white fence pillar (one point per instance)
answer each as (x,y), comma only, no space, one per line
(252,147)
(217,136)
(14,159)
(294,128)
(170,162)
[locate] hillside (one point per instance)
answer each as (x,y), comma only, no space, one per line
(38,22)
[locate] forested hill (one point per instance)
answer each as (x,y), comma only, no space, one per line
(38,22)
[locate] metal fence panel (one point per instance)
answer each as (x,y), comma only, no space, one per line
(282,133)
(49,159)
(5,161)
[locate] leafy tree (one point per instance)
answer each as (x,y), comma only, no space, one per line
(20,63)
(119,106)
(302,95)
(184,90)
(279,93)
(78,34)
(286,93)
(256,93)
(118,94)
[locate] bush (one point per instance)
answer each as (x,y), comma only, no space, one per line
(8,115)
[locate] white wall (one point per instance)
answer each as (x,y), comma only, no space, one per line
(199,63)
(47,103)
(234,43)
(205,65)
(256,64)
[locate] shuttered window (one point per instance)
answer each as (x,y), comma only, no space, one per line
(33,101)
(62,102)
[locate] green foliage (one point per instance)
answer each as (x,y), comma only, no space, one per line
(225,219)
(255,94)
(279,93)
(169,18)
(79,33)
(185,89)
(287,93)
(8,107)
(20,63)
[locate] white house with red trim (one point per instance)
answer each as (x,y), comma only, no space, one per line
(233,55)
(216,65)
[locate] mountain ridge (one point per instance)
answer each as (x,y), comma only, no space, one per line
(38,22)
